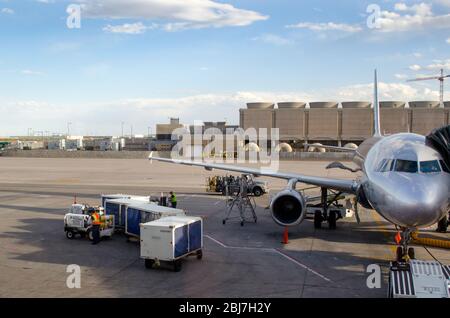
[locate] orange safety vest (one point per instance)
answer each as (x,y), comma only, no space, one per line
(96,219)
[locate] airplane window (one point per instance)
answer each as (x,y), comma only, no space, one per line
(406,166)
(429,166)
(444,166)
(387,165)
(381,165)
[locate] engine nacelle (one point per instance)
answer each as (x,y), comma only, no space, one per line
(288,208)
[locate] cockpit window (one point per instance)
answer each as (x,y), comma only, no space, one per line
(429,166)
(386,165)
(406,166)
(444,166)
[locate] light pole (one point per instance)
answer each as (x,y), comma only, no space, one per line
(123,123)
(68,128)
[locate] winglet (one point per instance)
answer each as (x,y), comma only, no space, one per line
(376,108)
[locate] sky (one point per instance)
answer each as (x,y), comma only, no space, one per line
(139,62)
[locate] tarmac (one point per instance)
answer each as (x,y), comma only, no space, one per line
(248,261)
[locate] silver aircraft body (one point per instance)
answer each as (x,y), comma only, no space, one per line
(403,179)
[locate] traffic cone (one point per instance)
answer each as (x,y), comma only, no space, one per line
(286,235)
(398,238)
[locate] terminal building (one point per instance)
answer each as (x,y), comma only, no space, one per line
(333,123)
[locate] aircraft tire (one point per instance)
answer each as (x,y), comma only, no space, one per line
(399,254)
(442,225)
(332,220)
(411,253)
(318,219)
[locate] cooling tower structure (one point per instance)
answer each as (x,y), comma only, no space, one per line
(327,123)
(426,116)
(394,117)
(290,119)
(258,115)
(323,121)
(357,119)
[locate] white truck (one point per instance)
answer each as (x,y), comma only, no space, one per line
(78,222)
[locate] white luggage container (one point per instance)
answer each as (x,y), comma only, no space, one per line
(170,239)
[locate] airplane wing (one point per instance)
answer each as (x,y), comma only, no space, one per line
(348,186)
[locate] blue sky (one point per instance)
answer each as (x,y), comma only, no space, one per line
(142,61)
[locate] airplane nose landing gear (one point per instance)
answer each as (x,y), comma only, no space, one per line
(404,252)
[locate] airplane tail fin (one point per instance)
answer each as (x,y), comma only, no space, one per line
(376,108)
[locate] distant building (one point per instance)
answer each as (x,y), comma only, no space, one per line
(164,131)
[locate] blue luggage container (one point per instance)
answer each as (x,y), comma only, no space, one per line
(146,212)
(118,208)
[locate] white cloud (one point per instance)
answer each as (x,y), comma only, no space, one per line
(448,41)
(415,17)
(443,2)
(438,65)
(104,118)
(30,105)
(273,39)
(191,14)
(96,70)
(330,26)
(387,91)
(7,11)
(401,76)
(31,72)
(127,28)
(63,47)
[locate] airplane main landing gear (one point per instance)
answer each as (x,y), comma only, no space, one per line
(327,211)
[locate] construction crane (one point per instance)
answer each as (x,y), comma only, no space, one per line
(441,79)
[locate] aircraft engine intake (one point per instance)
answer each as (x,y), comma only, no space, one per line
(288,208)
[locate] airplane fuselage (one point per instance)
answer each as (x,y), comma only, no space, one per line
(404,180)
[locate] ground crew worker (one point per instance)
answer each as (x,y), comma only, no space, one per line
(173,200)
(96,222)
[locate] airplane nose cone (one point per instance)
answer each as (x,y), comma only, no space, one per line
(417,204)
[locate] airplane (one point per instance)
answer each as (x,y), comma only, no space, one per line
(403,178)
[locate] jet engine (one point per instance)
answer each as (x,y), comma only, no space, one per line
(288,208)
